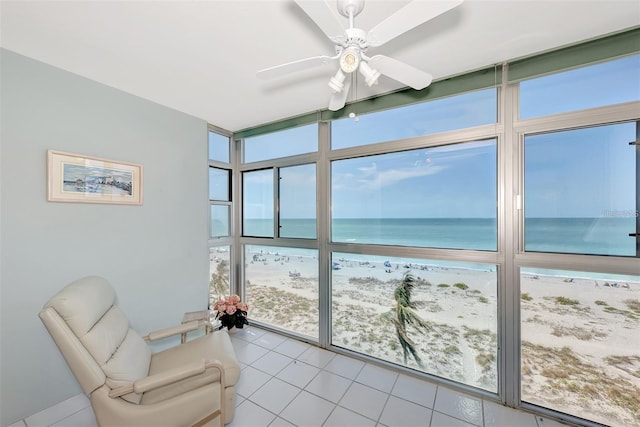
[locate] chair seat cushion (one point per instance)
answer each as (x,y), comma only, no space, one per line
(208,347)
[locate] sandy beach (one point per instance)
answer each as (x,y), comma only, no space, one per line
(580,341)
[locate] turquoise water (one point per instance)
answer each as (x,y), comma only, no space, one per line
(601,236)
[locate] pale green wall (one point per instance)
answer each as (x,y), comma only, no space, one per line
(155,255)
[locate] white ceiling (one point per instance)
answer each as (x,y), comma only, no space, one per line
(201,57)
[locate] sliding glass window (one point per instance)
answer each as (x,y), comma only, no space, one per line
(580,191)
(257,203)
(297,197)
(439,197)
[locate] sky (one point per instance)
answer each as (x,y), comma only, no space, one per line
(577,173)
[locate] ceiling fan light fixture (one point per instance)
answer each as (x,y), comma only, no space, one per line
(370,75)
(337,82)
(350,60)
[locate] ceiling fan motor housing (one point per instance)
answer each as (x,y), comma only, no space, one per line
(356,37)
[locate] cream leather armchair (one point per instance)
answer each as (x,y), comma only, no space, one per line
(128,385)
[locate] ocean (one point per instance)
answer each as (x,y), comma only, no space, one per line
(593,236)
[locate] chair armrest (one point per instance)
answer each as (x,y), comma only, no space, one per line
(176,330)
(171,376)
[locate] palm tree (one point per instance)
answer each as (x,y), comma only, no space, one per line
(219,283)
(405,316)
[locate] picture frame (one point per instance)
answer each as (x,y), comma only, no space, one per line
(78,178)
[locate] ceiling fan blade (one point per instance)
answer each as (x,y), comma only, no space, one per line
(410,16)
(404,73)
(338,99)
(290,67)
(325,17)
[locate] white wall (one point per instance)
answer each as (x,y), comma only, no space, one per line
(155,255)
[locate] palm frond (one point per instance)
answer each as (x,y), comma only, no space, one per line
(409,317)
(408,346)
(403,292)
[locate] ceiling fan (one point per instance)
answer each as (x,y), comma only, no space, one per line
(351,44)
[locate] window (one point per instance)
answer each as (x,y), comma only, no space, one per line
(219,273)
(298,201)
(445,323)
(290,142)
(219,192)
(423,225)
(608,83)
(296,197)
(219,184)
(580,194)
(282,287)
(220,220)
(258,217)
(441,197)
(218,147)
(580,340)
(441,115)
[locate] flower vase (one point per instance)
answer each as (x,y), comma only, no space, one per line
(232,330)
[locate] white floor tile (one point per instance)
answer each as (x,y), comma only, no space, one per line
(496,415)
(250,414)
(459,405)
(18,424)
(307,410)
(317,357)
(275,395)
(58,412)
(379,378)
(279,422)
(272,362)
(441,420)
(328,386)
(269,340)
(400,413)
(415,390)
(248,334)
(239,399)
(292,348)
(345,366)
(250,381)
(249,353)
(364,400)
(82,418)
(341,417)
(298,373)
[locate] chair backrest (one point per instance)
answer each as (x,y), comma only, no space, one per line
(94,336)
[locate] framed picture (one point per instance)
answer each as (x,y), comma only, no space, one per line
(83,179)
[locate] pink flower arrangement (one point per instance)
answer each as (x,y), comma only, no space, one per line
(231,312)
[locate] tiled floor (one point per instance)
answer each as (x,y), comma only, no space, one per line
(286,382)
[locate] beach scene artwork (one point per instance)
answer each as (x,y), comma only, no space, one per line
(77,178)
(580,331)
(89,179)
